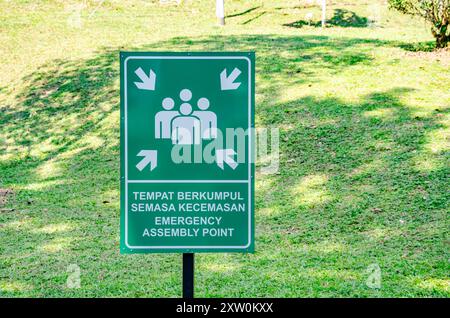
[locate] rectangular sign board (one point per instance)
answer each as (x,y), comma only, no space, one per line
(187,174)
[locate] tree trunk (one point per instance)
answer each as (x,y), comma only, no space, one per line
(441,36)
(442,41)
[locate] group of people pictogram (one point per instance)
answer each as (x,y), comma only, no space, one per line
(185,126)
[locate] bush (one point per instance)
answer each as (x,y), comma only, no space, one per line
(437,12)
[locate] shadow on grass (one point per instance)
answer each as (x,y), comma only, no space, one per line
(347,180)
(254,18)
(427,46)
(341,17)
(243,12)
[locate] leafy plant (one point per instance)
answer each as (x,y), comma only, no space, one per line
(437,12)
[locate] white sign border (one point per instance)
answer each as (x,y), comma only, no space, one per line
(189,57)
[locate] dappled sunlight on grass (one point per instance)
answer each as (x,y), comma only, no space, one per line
(13,286)
(54,228)
(88,142)
(112,194)
(54,167)
(92,142)
(442,285)
(327,274)
(268,212)
(109,123)
(264,183)
(49,169)
(436,148)
(18,225)
(438,140)
(44,185)
(383,146)
(219,268)
(386,113)
(56,245)
(366,168)
(382,233)
(311,190)
(42,148)
(427,163)
(222,263)
(326,247)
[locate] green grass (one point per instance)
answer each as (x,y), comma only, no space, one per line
(364,151)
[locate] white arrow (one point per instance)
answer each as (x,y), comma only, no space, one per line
(227,83)
(148,82)
(226,155)
(150,156)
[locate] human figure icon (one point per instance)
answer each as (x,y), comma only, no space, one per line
(185,95)
(164,118)
(208,119)
(185,128)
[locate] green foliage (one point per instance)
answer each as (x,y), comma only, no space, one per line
(437,12)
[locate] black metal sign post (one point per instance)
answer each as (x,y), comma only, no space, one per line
(188,275)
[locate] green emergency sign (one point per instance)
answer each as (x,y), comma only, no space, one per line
(187,136)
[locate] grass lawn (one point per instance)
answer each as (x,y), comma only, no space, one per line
(363,114)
